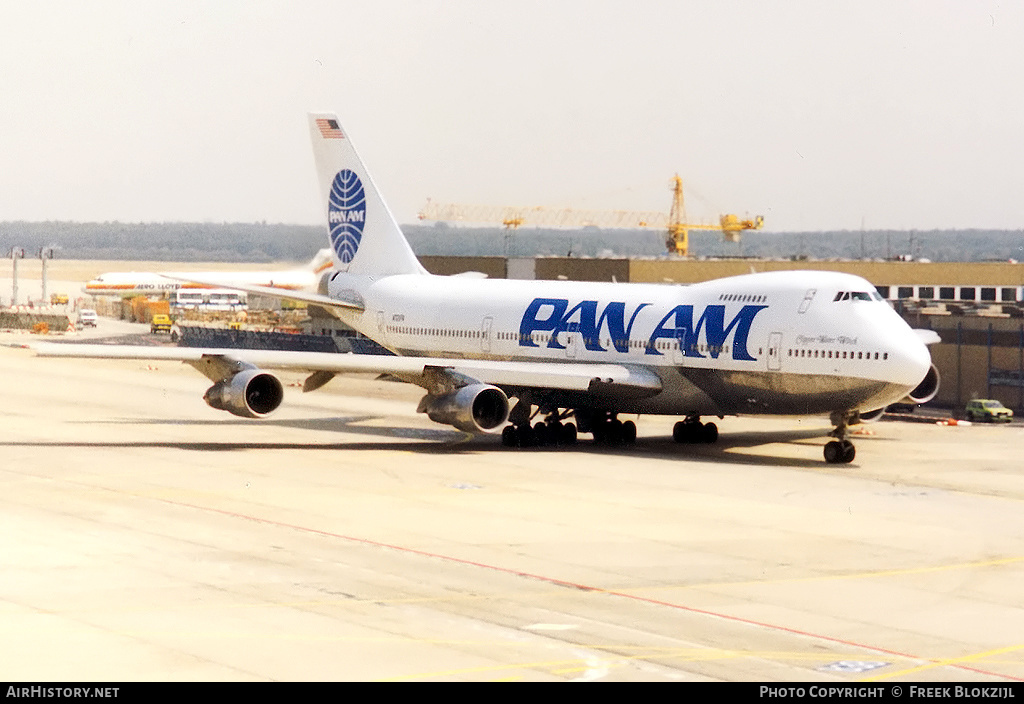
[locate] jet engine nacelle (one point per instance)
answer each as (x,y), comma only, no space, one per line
(477,408)
(250,394)
(926,390)
(870,416)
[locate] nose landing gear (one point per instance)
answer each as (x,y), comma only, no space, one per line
(841,450)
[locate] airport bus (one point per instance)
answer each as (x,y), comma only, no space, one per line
(221,299)
(209,299)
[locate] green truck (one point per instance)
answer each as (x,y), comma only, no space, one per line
(988,410)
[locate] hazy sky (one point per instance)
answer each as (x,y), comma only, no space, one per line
(894,113)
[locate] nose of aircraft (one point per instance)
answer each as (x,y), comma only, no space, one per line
(913,366)
(917,358)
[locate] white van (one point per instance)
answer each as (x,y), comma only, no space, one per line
(86,318)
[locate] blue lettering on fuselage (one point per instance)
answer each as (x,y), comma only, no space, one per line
(712,320)
(531,323)
(553,315)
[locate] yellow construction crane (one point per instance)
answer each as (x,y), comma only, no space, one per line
(678,241)
(675,223)
(512,217)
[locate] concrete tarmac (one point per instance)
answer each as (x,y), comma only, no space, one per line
(146,536)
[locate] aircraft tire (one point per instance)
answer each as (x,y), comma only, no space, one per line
(607,432)
(833,452)
(525,436)
(509,436)
(567,434)
(541,435)
(628,432)
(691,432)
(848,452)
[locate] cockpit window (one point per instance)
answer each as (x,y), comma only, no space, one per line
(857,296)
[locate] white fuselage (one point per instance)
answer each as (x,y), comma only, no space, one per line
(145,283)
(780,343)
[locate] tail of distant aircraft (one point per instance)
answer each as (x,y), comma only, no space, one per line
(364,236)
(321,261)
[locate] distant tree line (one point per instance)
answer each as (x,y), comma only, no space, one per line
(263,242)
(168,241)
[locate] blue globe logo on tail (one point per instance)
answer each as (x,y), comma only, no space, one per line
(346,214)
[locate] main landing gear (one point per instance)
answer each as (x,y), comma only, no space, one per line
(609,430)
(555,429)
(840,450)
(544,433)
(692,431)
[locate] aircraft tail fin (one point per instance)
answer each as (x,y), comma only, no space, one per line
(364,236)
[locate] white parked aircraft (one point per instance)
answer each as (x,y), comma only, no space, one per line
(574,354)
(137,283)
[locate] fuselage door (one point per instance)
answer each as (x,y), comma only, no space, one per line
(806,303)
(485,337)
(571,339)
(775,351)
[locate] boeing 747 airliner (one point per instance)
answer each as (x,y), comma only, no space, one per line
(496,355)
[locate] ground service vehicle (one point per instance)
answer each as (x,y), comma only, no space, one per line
(86,318)
(988,410)
(160,323)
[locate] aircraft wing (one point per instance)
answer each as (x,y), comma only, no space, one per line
(607,379)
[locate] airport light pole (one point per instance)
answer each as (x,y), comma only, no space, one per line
(16,254)
(45,253)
